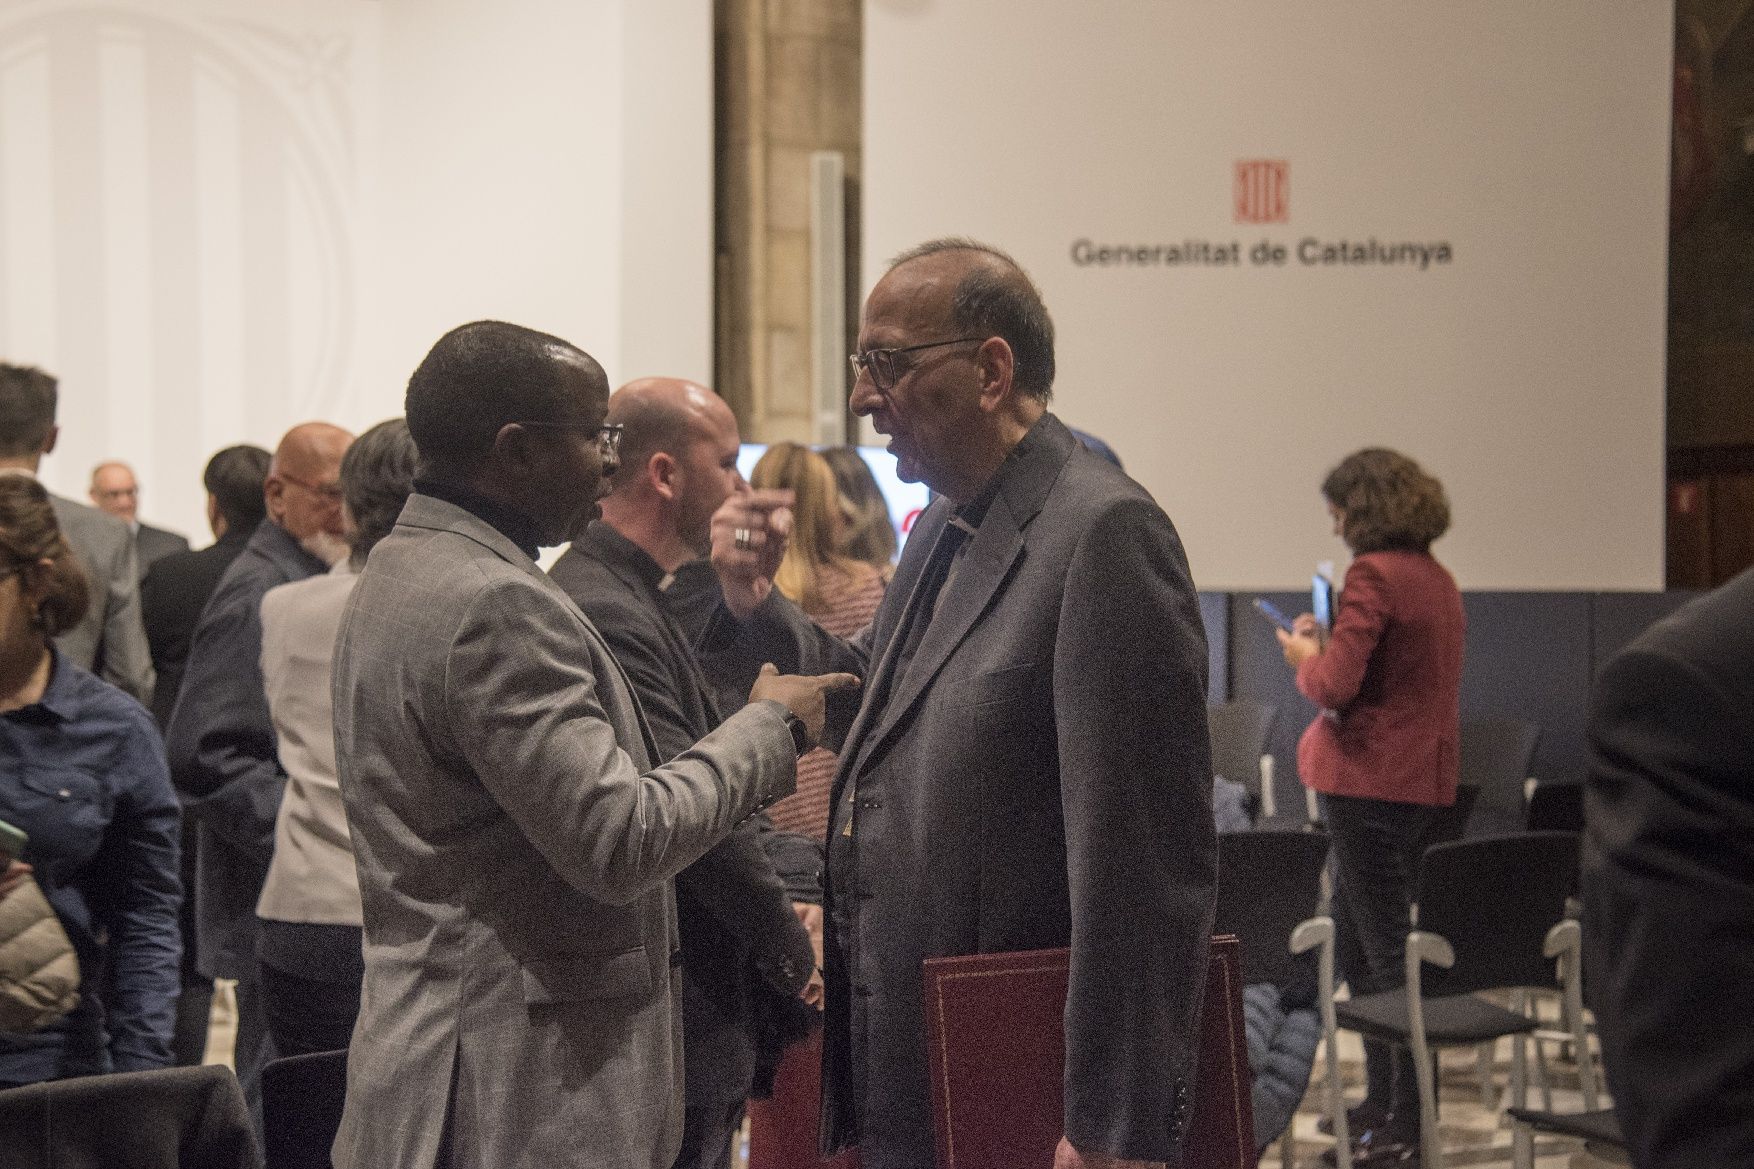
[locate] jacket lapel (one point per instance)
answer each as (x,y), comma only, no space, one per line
(996,549)
(997,546)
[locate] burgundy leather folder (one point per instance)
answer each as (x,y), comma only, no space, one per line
(997,1049)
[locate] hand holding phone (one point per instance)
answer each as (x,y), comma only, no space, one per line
(1271,612)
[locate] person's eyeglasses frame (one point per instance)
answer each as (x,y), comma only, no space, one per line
(327,492)
(871,361)
(608,435)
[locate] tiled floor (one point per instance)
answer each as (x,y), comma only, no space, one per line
(1473,1134)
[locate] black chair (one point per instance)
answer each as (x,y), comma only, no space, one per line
(1556,807)
(1269,896)
(1239,731)
(1450,823)
(1491,914)
(301,1108)
(1496,757)
(174,1118)
(1596,1129)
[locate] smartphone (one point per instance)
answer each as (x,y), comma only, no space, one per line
(1271,612)
(1322,601)
(12,842)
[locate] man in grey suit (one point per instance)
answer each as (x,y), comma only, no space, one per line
(1029,767)
(514,825)
(115,491)
(109,640)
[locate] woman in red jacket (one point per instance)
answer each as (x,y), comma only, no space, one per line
(1382,754)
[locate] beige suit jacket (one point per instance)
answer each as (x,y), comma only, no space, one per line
(515,842)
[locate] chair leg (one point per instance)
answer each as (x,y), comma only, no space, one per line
(1522,1146)
(1430,1144)
(1483,1069)
(1521,1139)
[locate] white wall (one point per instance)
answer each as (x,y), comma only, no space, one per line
(1527,372)
(219,218)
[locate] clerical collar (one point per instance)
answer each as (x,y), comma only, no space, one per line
(508,521)
(613,547)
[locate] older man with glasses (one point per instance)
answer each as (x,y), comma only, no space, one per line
(221,740)
(1029,765)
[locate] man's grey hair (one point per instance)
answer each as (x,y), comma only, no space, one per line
(998,299)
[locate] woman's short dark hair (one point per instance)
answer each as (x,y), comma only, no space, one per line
(29,533)
(234,479)
(1389,501)
(377,476)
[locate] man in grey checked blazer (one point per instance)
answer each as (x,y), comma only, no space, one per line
(514,834)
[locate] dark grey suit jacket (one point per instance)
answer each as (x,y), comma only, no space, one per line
(732,909)
(1668,885)
(1039,777)
(223,753)
(153,544)
(110,641)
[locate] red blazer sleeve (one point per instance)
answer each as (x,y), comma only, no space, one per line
(1332,678)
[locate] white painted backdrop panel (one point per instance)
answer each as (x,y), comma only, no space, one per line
(1527,373)
(219,218)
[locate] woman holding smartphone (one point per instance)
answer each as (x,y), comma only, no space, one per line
(82,773)
(1382,756)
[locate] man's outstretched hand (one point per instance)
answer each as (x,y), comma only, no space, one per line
(802,695)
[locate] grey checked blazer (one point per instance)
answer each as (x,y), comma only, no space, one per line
(515,845)
(110,641)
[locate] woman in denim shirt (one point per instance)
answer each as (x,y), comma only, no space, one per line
(82,772)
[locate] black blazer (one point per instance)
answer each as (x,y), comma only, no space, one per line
(1669,882)
(223,753)
(1039,777)
(172,595)
(732,910)
(153,544)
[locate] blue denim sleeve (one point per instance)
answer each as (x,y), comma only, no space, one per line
(141,894)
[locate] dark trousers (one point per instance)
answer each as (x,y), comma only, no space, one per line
(254,1047)
(707,1134)
(306,1015)
(195,1004)
(1376,847)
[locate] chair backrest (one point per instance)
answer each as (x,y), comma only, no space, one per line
(1450,822)
(1496,757)
(1556,807)
(1268,882)
(174,1118)
(302,1097)
(1494,898)
(1239,733)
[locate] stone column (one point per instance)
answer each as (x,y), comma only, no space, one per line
(789,83)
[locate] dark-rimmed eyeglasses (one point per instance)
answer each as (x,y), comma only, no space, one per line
(608,436)
(327,492)
(882,365)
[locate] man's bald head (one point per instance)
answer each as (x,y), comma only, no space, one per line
(662,415)
(679,444)
(311,447)
(114,490)
(303,490)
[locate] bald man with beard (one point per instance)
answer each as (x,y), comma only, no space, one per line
(220,739)
(739,931)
